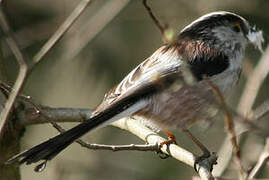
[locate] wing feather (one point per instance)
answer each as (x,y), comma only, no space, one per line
(149,75)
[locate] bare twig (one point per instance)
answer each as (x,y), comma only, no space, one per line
(129,147)
(155,20)
(229,127)
(37,58)
(27,36)
(261,111)
(264,157)
(22,71)
(167,33)
(244,108)
(253,85)
(95,23)
(62,29)
(249,123)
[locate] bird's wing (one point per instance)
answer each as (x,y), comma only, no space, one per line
(146,78)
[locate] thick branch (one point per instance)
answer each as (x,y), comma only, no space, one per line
(47,114)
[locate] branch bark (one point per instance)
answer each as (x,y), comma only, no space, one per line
(32,116)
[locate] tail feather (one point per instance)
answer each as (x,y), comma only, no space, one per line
(50,148)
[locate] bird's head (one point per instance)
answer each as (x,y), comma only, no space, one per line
(224,31)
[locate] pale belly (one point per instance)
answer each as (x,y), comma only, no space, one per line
(180,106)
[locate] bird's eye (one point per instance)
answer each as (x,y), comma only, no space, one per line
(237,27)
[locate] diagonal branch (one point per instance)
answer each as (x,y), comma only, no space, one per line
(90,27)
(23,68)
(61,30)
(36,59)
(167,33)
(264,157)
(161,27)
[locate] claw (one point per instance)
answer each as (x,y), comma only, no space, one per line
(162,155)
(206,159)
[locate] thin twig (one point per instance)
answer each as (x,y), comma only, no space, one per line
(264,157)
(253,84)
(61,30)
(155,20)
(129,147)
(261,111)
(248,123)
(22,69)
(167,35)
(229,127)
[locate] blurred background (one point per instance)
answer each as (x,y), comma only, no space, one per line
(104,44)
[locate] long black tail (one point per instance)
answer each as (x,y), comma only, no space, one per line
(50,148)
(127,105)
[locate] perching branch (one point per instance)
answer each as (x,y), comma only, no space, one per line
(31,116)
(173,150)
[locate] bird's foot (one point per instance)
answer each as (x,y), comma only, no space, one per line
(171,140)
(207,160)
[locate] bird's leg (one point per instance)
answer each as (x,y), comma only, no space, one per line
(206,153)
(171,138)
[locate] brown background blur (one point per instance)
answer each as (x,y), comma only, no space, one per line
(69,79)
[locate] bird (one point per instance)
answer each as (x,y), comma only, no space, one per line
(170,88)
